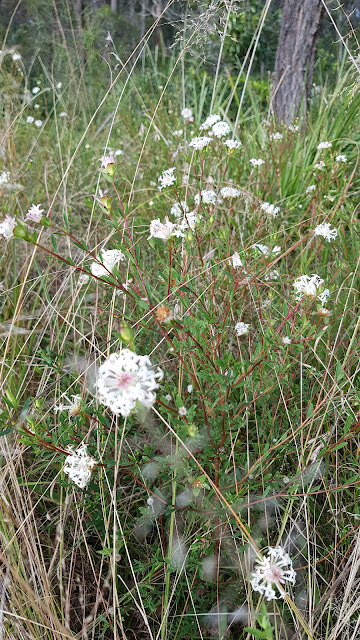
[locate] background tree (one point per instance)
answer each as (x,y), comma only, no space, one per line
(295,57)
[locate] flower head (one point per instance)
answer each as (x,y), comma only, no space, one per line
(162,230)
(200,143)
(276,136)
(232,144)
(271,571)
(4,177)
(207,197)
(221,129)
(256,162)
(7,227)
(242,328)
(167,178)
(83,279)
(126,379)
(178,209)
(311,188)
(79,465)
(30,119)
(186,113)
(286,340)
(182,411)
(235,260)
(38,123)
(16,57)
(324,145)
(261,247)
(73,407)
(270,209)
(324,229)
(307,286)
(188,222)
(209,122)
(34,213)
(229,192)
(35,90)
(106,160)
(341,158)
(109,259)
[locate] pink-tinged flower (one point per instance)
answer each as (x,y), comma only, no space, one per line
(125,380)
(35,213)
(273,570)
(186,113)
(105,160)
(162,230)
(7,227)
(235,260)
(109,163)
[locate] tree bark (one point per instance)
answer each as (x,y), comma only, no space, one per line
(295,57)
(114,6)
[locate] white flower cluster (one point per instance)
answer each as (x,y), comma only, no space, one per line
(79,465)
(307,286)
(242,328)
(167,178)
(324,145)
(200,143)
(324,229)
(4,177)
(311,188)
(232,144)
(272,570)
(73,407)
(7,227)
(272,275)
(187,113)
(178,209)
(162,230)
(108,261)
(265,250)
(126,379)
(221,129)
(209,122)
(320,165)
(229,192)
(207,197)
(256,162)
(270,209)
(34,213)
(341,158)
(235,260)
(276,136)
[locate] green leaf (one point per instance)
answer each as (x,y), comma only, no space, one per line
(257,633)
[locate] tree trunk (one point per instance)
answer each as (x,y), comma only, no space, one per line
(295,57)
(114,6)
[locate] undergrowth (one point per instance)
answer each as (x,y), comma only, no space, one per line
(253,439)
